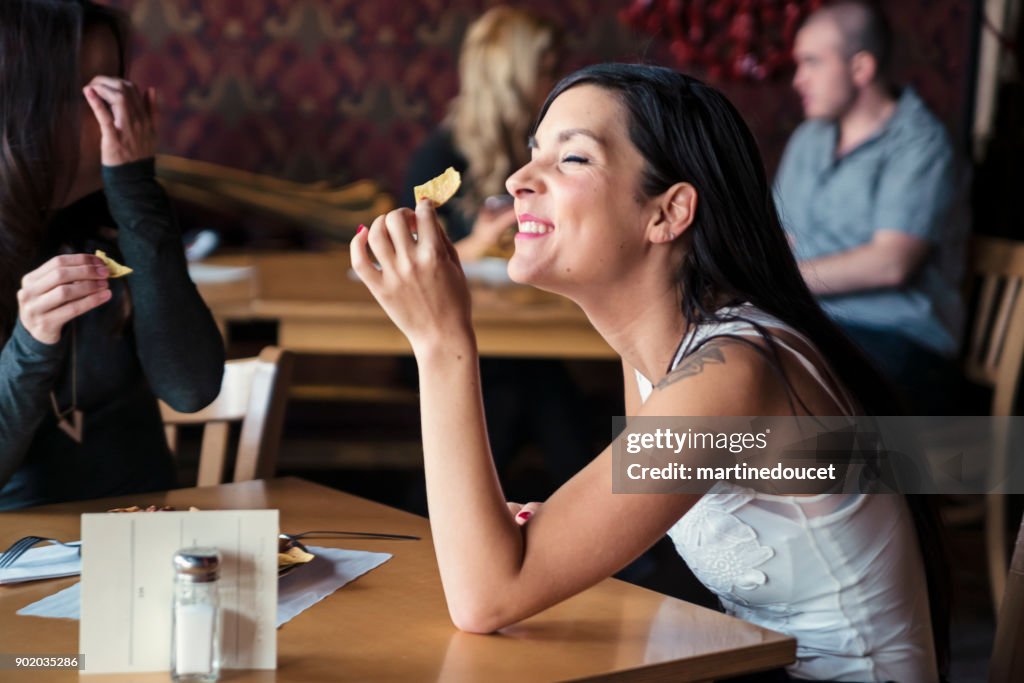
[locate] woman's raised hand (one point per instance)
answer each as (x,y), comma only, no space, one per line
(487,231)
(491,224)
(128,119)
(61,289)
(420,283)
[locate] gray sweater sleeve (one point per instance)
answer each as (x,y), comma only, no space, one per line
(178,344)
(28,370)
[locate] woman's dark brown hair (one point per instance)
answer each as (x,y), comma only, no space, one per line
(40,101)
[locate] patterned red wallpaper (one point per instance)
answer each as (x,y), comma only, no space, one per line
(345,89)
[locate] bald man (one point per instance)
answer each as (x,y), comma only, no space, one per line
(864,190)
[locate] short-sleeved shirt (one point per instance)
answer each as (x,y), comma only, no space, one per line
(904,178)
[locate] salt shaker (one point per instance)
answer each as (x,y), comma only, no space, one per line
(195,631)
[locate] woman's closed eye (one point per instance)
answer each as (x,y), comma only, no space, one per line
(574,159)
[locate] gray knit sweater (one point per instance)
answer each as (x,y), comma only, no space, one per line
(154,338)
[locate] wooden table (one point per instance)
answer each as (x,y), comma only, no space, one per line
(320,308)
(392,624)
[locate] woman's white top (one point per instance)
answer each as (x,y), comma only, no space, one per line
(842,573)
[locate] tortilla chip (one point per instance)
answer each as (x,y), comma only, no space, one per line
(115,268)
(293,556)
(440,189)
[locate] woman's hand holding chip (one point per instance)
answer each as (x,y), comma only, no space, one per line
(60,290)
(420,283)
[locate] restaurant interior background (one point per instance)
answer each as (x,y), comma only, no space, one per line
(344,90)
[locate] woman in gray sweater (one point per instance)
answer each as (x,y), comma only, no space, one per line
(84,358)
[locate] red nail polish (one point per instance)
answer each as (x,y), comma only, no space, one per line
(361,228)
(525,514)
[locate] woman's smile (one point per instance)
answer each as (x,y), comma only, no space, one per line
(531,227)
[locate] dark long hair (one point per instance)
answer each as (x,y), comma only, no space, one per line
(40,101)
(737,250)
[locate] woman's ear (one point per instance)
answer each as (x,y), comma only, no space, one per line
(676,208)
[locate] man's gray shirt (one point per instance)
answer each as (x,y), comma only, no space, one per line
(904,178)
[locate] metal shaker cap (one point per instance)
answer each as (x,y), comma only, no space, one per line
(198,565)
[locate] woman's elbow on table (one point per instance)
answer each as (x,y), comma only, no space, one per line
(482,619)
(483,611)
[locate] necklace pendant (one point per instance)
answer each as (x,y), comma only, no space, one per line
(72,427)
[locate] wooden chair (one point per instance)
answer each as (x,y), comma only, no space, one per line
(253,392)
(1007,653)
(993,358)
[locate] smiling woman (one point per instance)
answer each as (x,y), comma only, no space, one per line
(646,202)
(84,357)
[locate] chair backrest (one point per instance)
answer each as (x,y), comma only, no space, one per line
(995,345)
(994,357)
(253,392)
(1008,653)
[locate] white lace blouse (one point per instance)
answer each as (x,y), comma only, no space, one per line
(840,572)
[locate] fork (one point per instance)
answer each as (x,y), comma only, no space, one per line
(24,544)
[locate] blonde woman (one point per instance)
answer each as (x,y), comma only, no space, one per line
(506,66)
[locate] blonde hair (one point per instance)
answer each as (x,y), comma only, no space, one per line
(500,67)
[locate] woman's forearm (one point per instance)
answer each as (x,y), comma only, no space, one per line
(28,370)
(179,346)
(479,547)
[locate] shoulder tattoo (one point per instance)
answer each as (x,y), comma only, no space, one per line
(694,364)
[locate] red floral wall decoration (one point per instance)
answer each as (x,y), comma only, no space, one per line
(730,39)
(346,89)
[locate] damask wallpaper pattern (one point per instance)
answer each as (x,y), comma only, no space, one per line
(345,89)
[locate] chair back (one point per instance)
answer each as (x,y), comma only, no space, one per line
(1008,650)
(995,345)
(993,358)
(253,392)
